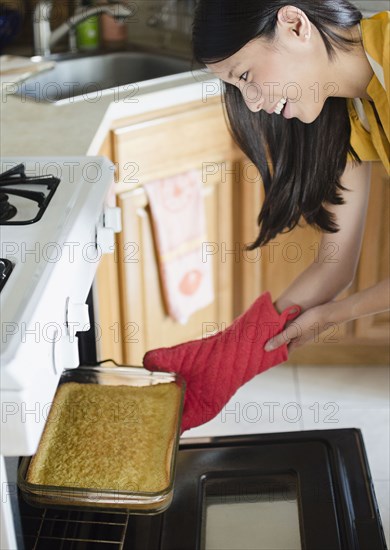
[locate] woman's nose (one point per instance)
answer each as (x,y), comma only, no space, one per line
(253,97)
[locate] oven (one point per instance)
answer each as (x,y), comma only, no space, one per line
(57,219)
(310,490)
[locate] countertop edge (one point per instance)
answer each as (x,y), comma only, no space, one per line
(79,128)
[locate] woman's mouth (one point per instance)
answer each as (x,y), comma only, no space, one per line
(280,106)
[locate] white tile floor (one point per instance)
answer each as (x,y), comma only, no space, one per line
(290,398)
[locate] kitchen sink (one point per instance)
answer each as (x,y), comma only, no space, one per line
(89,76)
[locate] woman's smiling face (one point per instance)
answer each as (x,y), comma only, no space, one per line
(291,67)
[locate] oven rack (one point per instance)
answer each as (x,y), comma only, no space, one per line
(46,528)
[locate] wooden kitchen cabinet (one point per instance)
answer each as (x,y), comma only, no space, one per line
(145,321)
(375,258)
(134,317)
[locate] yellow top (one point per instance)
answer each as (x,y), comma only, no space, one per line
(370,133)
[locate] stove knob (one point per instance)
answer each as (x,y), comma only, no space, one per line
(77,318)
(105,240)
(112,218)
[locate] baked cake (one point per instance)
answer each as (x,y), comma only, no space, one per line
(108,437)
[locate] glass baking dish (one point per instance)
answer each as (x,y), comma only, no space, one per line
(98,422)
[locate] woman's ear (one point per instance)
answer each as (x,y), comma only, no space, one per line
(294,21)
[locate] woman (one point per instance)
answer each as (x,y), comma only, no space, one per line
(307,97)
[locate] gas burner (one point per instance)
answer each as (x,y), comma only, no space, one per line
(7,210)
(5,270)
(29,190)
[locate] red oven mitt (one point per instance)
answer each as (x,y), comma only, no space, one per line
(215,367)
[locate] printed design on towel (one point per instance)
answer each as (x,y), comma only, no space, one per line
(190,282)
(179,226)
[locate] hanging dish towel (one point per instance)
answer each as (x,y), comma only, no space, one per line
(179,224)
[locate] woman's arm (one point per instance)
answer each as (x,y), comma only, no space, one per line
(321,282)
(325,278)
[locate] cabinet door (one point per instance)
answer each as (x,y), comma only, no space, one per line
(375,258)
(162,146)
(167,144)
(146,324)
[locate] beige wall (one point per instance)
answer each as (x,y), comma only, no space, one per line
(168,35)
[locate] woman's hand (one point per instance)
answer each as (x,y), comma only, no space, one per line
(304,328)
(307,327)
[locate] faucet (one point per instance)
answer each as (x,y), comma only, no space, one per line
(45,38)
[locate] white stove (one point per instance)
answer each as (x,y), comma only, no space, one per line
(57,218)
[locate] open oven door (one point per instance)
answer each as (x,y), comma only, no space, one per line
(309,490)
(298,490)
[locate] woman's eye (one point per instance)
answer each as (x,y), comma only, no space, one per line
(244,76)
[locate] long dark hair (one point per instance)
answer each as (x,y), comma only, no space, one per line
(300,164)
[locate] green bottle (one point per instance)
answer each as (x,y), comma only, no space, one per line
(87,32)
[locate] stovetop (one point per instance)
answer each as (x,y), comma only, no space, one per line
(57,207)
(57,223)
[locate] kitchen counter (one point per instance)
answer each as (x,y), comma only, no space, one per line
(80,127)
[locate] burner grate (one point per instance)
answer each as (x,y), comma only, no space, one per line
(5,270)
(7,210)
(15,177)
